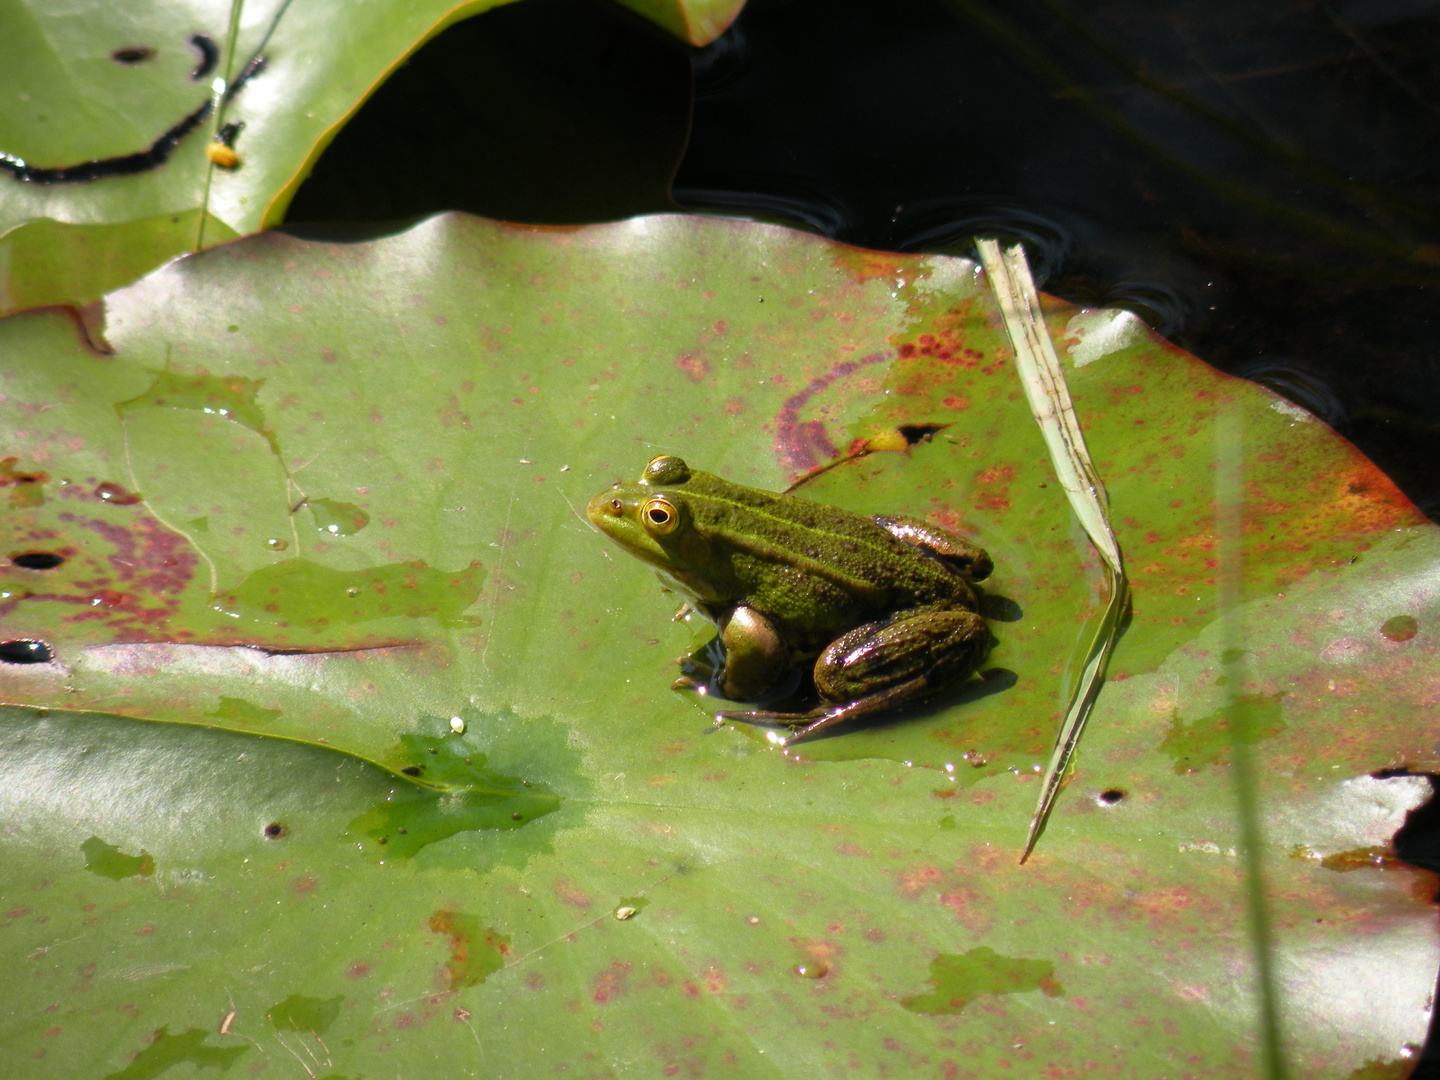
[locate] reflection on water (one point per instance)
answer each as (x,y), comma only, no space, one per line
(950,226)
(723,62)
(1164,305)
(810,209)
(1297,381)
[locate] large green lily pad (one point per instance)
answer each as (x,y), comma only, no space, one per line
(103,83)
(339,667)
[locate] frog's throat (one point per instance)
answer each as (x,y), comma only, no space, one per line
(700,596)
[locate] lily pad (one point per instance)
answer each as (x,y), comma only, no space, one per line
(104,172)
(475,666)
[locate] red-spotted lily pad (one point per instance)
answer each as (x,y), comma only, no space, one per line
(312,621)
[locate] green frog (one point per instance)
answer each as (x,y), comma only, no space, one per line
(881,605)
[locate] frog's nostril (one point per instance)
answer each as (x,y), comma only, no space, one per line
(616,507)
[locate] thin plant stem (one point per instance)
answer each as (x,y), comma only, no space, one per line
(218,89)
(1229,509)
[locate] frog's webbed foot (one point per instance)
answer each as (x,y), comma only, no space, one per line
(772,718)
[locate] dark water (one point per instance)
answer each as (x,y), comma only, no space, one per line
(1261,183)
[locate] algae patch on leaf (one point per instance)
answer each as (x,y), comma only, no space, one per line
(461,794)
(107,860)
(958,980)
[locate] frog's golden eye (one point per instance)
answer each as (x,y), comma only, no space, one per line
(659,516)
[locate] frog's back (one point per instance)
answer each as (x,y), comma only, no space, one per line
(804,562)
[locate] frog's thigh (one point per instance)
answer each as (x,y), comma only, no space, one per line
(938,647)
(755,656)
(965,557)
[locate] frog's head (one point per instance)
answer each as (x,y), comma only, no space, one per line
(650,519)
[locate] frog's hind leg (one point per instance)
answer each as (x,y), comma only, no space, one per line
(892,664)
(883,666)
(963,556)
(888,658)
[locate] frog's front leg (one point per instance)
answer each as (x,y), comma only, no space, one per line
(756,658)
(886,665)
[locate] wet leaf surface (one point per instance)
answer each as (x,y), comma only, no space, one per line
(493,699)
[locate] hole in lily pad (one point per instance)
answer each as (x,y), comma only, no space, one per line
(916,433)
(1111,796)
(131,56)
(274,831)
(37,560)
(466,795)
(25,651)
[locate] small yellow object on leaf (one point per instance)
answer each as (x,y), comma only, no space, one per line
(222,155)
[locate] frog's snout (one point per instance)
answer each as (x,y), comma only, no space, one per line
(602,507)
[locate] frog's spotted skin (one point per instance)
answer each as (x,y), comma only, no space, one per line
(882,605)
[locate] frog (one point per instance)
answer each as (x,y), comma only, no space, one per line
(881,610)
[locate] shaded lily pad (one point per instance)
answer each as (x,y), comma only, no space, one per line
(468,386)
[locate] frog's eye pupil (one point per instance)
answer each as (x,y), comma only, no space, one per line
(659,517)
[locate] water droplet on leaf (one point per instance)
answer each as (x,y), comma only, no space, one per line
(1400,628)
